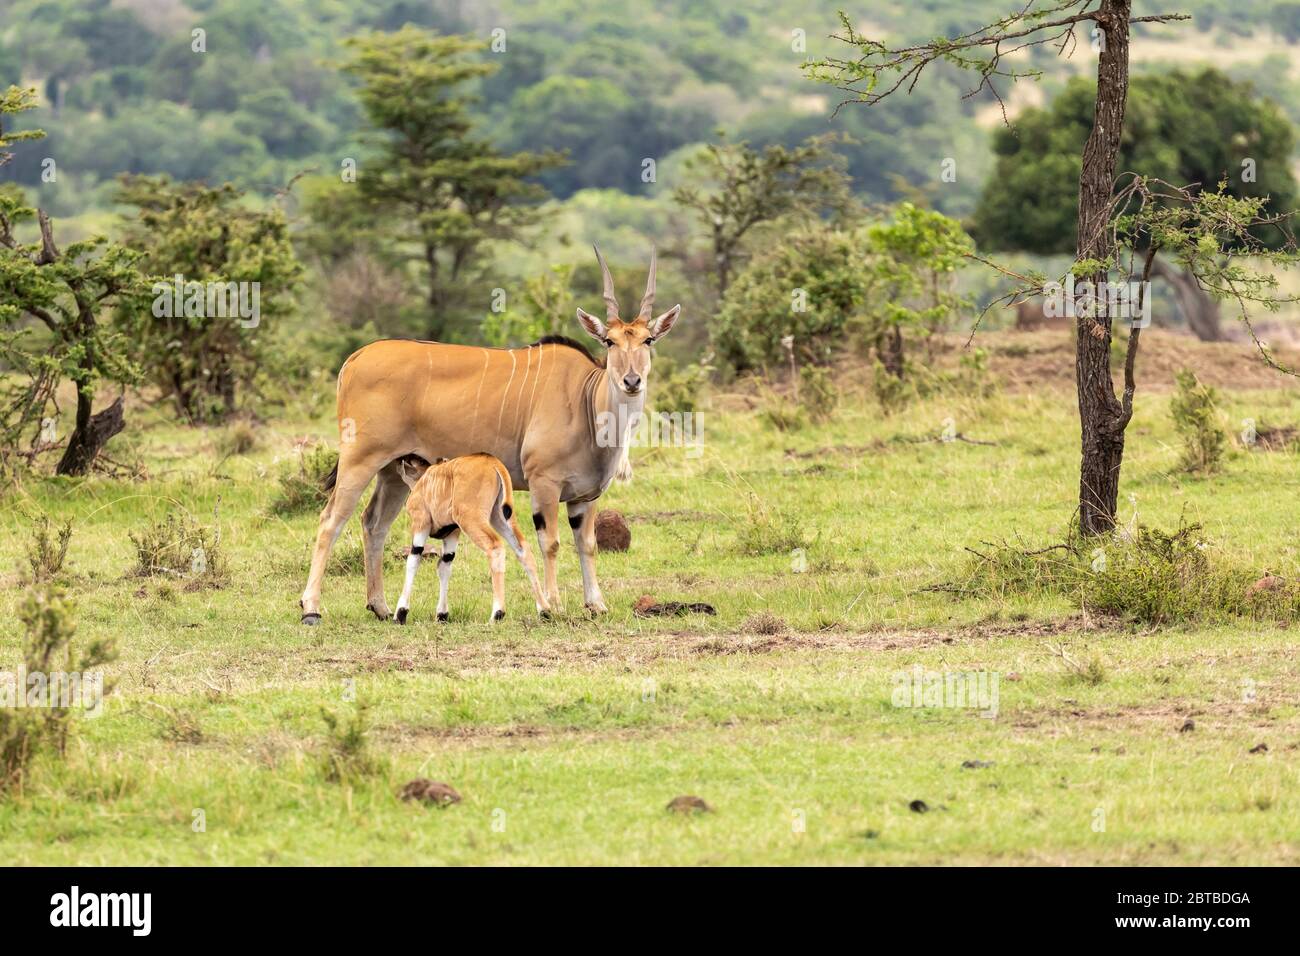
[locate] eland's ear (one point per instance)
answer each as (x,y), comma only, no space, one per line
(661,326)
(595,328)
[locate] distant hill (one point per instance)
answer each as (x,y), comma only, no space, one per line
(126,90)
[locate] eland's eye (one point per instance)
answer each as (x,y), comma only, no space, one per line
(609,343)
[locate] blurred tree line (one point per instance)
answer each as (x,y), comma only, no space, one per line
(378,174)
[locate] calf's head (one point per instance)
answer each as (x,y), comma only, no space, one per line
(628,361)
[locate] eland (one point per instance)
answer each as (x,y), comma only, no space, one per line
(559,420)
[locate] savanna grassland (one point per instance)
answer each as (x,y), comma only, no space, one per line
(1115,740)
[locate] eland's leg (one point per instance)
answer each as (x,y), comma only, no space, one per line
(508,528)
(444,573)
(486,538)
(412,565)
(390,494)
(351,481)
(546,518)
(582,519)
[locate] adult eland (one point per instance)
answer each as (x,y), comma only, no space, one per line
(559,419)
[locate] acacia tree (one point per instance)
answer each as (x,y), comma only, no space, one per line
(51,301)
(205,235)
(914,258)
(743,187)
(443,189)
(1180,127)
(1204,238)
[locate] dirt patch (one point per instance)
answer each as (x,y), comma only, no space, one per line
(1029,361)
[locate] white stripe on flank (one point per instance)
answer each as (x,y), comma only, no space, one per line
(506,394)
(473,428)
(532,399)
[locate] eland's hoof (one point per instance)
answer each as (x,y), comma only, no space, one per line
(443,617)
(400,616)
(381,613)
(545,615)
(311,619)
(498,615)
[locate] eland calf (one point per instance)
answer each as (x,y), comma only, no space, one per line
(471,494)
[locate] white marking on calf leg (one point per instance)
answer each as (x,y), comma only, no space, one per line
(444,572)
(497,561)
(412,565)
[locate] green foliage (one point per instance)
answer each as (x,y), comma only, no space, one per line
(436,185)
(1148,576)
(15,100)
(347,757)
(302,482)
(913,264)
(822,287)
(198,356)
(1195,411)
(46,552)
(743,188)
(1181,127)
(239,438)
(547,309)
(782,412)
(818,393)
(677,388)
(177,546)
(64,291)
(764,529)
(48,650)
(809,286)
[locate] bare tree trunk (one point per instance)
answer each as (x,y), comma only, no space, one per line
(891,352)
(1199,309)
(1101,417)
(90,435)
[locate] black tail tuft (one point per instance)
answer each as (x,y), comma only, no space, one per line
(507,511)
(331,478)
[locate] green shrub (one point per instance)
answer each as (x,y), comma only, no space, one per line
(46,552)
(783,414)
(818,394)
(1196,417)
(809,286)
(27,732)
(766,530)
(678,390)
(302,482)
(177,546)
(347,754)
(1152,577)
(239,438)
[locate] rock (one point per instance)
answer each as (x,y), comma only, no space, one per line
(612,532)
(1259,749)
(688,804)
(646,606)
(431,791)
(976,764)
(1188,726)
(918,806)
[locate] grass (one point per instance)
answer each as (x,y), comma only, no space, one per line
(568,738)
